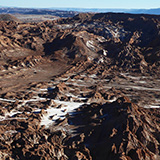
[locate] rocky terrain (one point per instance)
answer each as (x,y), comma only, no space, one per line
(81,88)
(8,17)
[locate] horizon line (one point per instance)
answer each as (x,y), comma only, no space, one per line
(77,8)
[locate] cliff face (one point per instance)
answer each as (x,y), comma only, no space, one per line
(81,88)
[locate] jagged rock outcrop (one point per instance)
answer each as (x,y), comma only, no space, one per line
(118,130)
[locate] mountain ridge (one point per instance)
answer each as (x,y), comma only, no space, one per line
(155,11)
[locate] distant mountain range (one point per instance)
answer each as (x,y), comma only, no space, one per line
(37,11)
(155,11)
(72,11)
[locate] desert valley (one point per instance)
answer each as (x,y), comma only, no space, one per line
(80,87)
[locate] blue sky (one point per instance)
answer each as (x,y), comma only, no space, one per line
(128,4)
